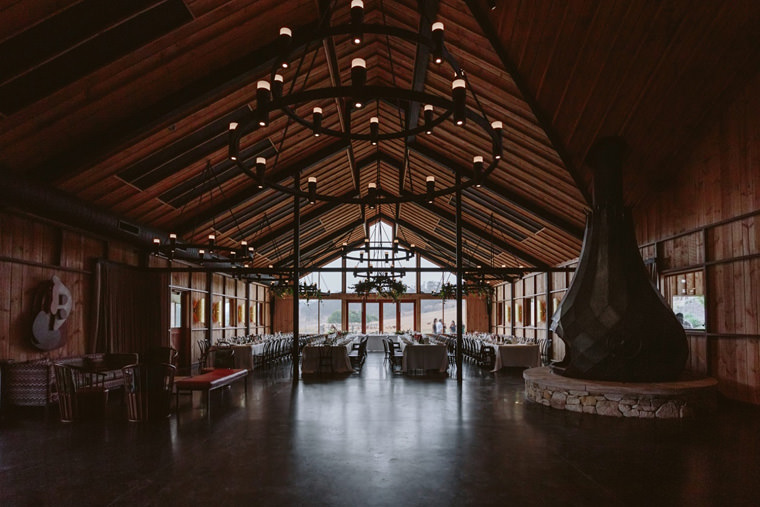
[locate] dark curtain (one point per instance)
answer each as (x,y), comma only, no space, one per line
(130,309)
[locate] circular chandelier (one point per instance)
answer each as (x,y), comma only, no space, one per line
(436,109)
(209,251)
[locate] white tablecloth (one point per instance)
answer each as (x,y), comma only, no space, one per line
(425,357)
(244,354)
(340,361)
(515,354)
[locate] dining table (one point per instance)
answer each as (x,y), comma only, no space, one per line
(311,357)
(526,355)
(424,356)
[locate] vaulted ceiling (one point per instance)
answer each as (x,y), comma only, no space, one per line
(125,106)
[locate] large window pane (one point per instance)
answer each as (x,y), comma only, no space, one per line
(389,317)
(372,317)
(450,314)
(308,317)
(430,309)
(355,317)
(331,281)
(410,279)
(330,315)
(429,282)
(407,316)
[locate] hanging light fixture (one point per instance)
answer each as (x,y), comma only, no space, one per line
(358,92)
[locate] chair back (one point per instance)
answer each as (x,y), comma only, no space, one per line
(158,355)
(148,388)
(203,348)
(67,391)
(224,357)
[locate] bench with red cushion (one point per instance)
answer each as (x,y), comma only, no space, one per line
(214,379)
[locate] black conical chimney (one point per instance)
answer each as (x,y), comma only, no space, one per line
(613,320)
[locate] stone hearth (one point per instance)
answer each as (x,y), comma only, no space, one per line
(646,400)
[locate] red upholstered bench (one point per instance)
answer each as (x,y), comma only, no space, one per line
(219,377)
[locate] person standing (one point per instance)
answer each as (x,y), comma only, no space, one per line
(453,327)
(435,326)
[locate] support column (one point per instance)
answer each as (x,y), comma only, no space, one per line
(459,276)
(210,298)
(296,265)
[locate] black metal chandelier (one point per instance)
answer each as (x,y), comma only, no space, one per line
(210,251)
(436,109)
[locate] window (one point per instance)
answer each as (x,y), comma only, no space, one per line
(330,315)
(355,317)
(176,309)
(228,318)
(406,314)
(308,317)
(389,317)
(685,293)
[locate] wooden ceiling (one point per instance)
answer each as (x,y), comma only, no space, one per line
(126,107)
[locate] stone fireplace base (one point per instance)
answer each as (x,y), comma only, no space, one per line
(662,400)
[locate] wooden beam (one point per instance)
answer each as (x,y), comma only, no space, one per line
(428,11)
(320,242)
(325,11)
(314,214)
(451,218)
(543,120)
(248,194)
(145,122)
(504,193)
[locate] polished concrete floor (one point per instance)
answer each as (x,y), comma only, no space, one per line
(380,439)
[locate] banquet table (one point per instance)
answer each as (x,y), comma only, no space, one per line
(339,357)
(516,354)
(425,357)
(244,354)
(375,341)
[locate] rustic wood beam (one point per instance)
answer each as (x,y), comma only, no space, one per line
(543,119)
(503,192)
(250,193)
(152,117)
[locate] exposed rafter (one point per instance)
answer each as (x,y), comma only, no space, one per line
(250,193)
(157,115)
(503,192)
(490,32)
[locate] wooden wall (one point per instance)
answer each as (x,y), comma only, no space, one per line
(524,309)
(707,223)
(701,234)
(32,250)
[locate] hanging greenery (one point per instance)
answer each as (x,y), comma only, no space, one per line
(448,290)
(385,286)
(281,289)
(305,291)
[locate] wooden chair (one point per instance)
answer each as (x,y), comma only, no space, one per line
(148,388)
(203,347)
(395,357)
(81,394)
(224,357)
(159,355)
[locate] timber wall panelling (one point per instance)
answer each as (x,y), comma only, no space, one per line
(32,250)
(708,220)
